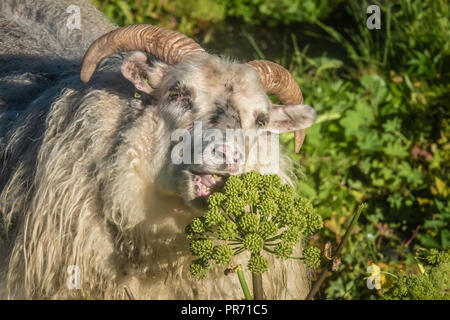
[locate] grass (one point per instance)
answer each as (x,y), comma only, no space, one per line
(382,134)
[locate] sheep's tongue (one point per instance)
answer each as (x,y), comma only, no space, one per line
(208,180)
(219,181)
(211,181)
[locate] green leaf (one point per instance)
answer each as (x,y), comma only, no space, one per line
(361,116)
(396,149)
(126,10)
(434,224)
(306,190)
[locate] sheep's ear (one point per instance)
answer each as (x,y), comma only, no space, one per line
(290,117)
(143,76)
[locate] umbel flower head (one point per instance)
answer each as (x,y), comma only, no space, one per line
(199,268)
(254,213)
(222,255)
(202,248)
(312,257)
(432,283)
(258,264)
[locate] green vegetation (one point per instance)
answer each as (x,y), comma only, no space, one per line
(254,213)
(382,138)
(433,283)
(382,134)
(193,16)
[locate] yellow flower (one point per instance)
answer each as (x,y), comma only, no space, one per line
(382,279)
(375,270)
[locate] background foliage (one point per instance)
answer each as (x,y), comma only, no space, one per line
(382,96)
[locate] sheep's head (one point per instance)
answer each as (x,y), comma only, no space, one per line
(205,97)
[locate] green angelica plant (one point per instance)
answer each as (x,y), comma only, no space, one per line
(432,283)
(254,213)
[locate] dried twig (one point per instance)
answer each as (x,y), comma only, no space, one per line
(336,255)
(415,233)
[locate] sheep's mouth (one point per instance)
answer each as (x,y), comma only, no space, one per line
(206,183)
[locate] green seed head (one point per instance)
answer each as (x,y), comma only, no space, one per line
(312,257)
(197,225)
(435,256)
(251,197)
(199,268)
(248,222)
(227,230)
(288,191)
(303,205)
(286,202)
(252,179)
(253,243)
(189,232)
(267,229)
(215,200)
(314,223)
(270,181)
(251,183)
(257,264)
(267,208)
(222,255)
(284,249)
(202,248)
(252,209)
(234,187)
(234,206)
(298,220)
(214,217)
(292,235)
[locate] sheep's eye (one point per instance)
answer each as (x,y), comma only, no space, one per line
(261,120)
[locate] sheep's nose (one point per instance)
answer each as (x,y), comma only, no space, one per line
(228,154)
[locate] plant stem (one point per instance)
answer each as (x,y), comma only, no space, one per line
(129,293)
(258,291)
(337,253)
(273,238)
(349,230)
(243,283)
(254,45)
(268,250)
(317,284)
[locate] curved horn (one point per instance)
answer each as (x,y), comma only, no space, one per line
(278,81)
(167,45)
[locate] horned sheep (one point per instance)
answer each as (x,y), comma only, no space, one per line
(86,173)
